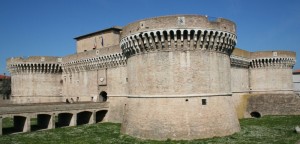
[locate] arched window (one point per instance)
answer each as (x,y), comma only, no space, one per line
(103,94)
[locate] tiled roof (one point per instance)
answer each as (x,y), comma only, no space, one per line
(116,28)
(296,71)
(4,76)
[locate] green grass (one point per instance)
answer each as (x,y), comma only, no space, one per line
(265,130)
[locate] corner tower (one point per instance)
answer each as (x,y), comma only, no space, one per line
(35,79)
(179,78)
(271,72)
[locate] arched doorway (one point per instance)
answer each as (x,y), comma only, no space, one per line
(103,95)
(255,114)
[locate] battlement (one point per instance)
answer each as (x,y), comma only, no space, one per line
(92,53)
(179,21)
(275,59)
(40,64)
(180,32)
(94,59)
(94,63)
(33,59)
(270,54)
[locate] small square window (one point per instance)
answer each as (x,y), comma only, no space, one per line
(204,102)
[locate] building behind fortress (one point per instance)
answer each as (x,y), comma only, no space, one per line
(177,77)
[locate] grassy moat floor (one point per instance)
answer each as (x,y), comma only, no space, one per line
(265,130)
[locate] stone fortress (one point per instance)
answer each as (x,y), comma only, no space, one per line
(169,77)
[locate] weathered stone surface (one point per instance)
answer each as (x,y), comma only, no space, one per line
(274,104)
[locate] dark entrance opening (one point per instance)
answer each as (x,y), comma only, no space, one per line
(64,119)
(103,94)
(44,121)
(255,114)
(100,115)
(84,117)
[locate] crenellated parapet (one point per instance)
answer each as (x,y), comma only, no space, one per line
(184,32)
(178,39)
(273,62)
(94,63)
(273,59)
(34,64)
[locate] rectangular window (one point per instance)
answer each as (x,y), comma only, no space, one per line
(203,101)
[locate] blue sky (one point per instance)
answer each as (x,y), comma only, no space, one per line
(47,27)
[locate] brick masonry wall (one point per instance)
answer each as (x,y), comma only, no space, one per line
(180,76)
(239,87)
(273,104)
(36,88)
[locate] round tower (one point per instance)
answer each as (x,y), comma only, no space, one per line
(35,79)
(271,72)
(179,78)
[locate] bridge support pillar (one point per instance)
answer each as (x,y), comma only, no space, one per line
(93,118)
(22,123)
(52,126)
(73,121)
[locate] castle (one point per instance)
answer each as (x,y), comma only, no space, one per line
(177,77)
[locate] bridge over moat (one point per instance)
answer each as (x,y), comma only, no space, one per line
(52,115)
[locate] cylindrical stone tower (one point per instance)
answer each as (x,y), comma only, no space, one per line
(271,72)
(35,79)
(179,78)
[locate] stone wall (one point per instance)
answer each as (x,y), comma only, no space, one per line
(179,73)
(296,82)
(273,104)
(88,84)
(240,87)
(269,80)
(36,88)
(180,117)
(35,79)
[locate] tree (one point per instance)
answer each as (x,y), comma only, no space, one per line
(5,88)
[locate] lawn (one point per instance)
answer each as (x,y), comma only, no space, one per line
(265,130)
